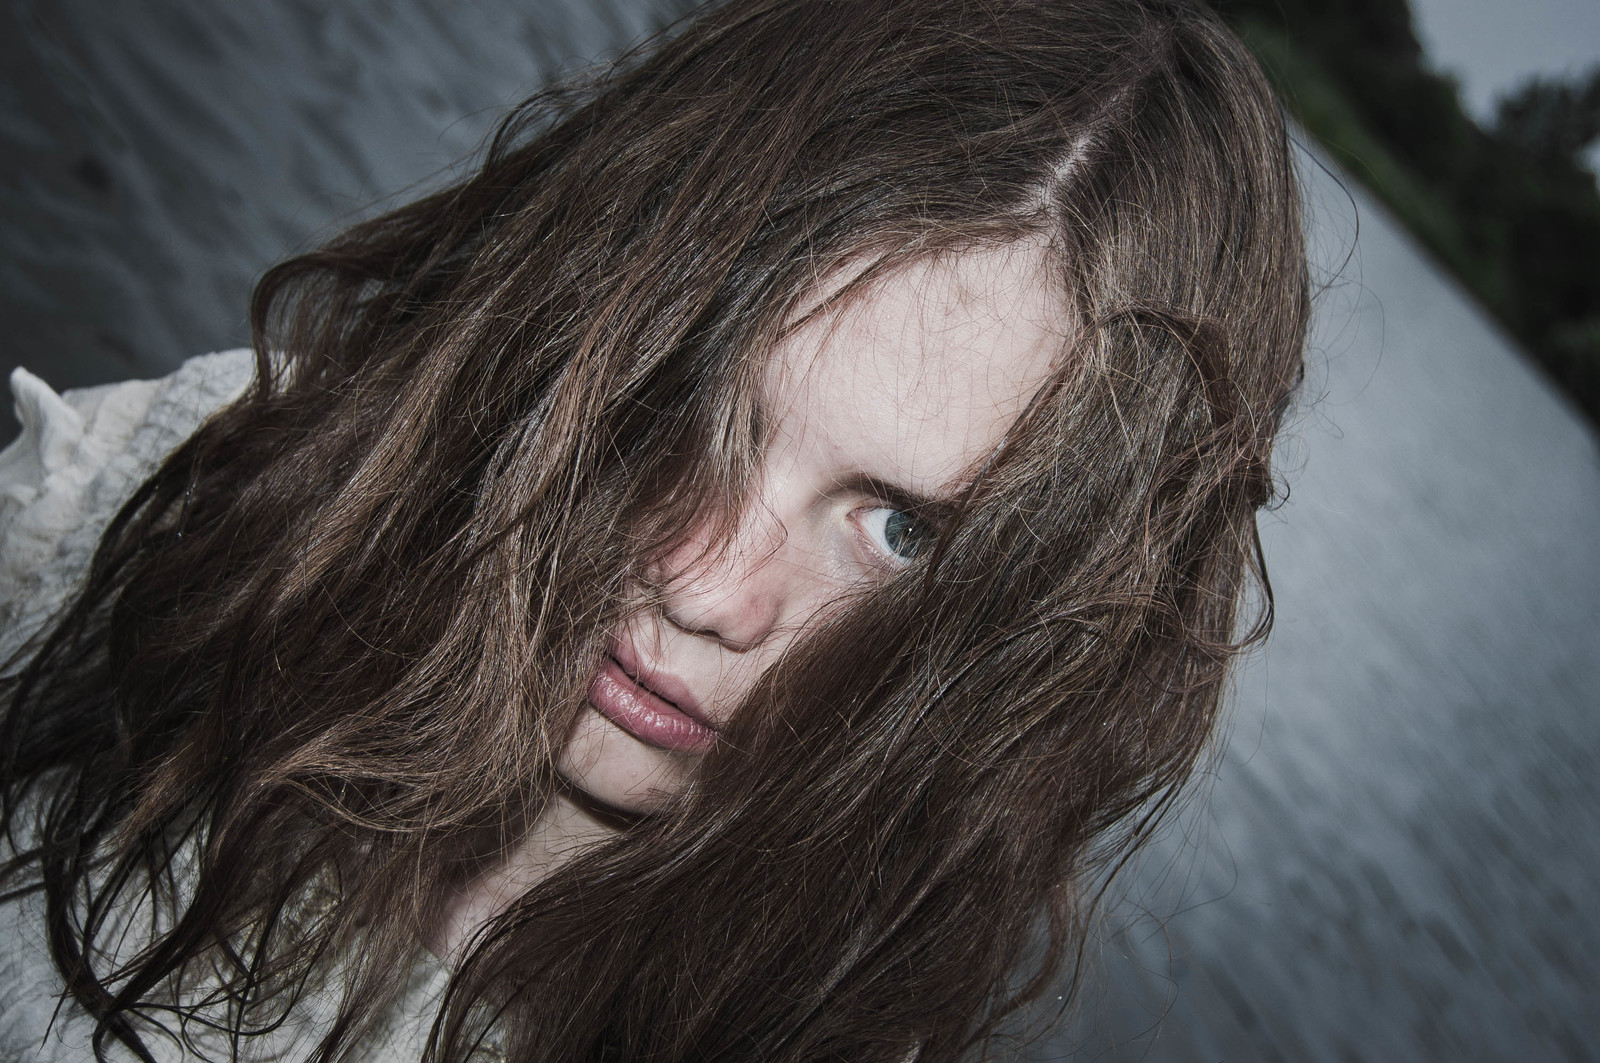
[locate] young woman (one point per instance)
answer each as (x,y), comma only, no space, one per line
(724,581)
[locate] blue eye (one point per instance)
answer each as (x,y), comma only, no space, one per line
(897,533)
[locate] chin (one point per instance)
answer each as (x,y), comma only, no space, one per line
(617,770)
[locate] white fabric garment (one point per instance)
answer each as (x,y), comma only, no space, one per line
(79,457)
(82,454)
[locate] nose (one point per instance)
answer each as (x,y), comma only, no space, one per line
(737,591)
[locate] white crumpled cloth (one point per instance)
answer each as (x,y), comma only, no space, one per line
(80,456)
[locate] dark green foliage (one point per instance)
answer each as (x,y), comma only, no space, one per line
(1553,121)
(1510,210)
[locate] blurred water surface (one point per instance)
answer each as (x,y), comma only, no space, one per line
(1398,853)
(157,155)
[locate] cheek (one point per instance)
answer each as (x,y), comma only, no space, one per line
(616,769)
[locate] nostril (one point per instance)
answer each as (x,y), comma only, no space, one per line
(674,619)
(727,624)
(730,592)
(737,609)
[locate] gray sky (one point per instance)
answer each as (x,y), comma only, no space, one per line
(1492,45)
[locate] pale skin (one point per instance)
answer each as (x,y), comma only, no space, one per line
(900,393)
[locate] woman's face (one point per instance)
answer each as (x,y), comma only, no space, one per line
(880,410)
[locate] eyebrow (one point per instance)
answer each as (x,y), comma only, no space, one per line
(901,497)
(940,510)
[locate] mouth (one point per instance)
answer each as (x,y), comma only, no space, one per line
(645,714)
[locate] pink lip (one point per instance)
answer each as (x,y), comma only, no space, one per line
(645,714)
(664,685)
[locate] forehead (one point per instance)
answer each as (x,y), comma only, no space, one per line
(917,379)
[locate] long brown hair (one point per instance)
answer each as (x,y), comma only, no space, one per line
(335,641)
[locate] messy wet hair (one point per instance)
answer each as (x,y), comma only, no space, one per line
(327,654)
